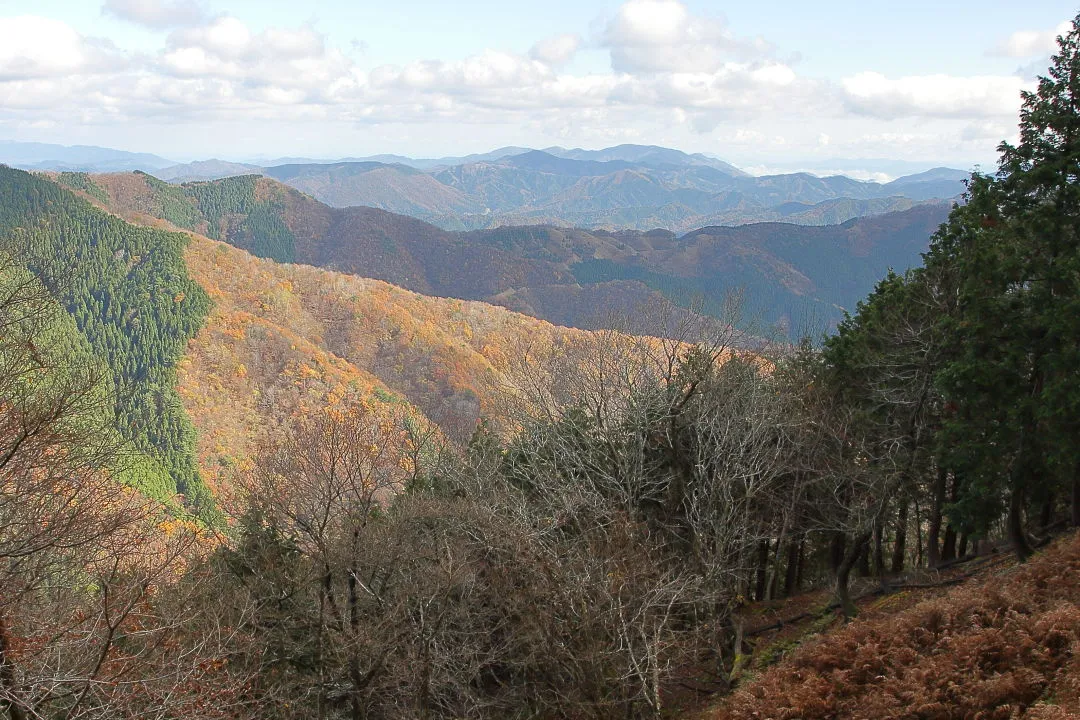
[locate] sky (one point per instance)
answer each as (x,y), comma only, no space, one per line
(767,85)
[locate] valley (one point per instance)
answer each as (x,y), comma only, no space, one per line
(315,407)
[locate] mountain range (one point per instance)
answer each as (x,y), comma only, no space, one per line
(626,187)
(366,304)
(798,277)
(85,158)
(639,187)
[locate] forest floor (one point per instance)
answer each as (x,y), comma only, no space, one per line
(982,638)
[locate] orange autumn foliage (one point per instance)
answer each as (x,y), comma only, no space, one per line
(284,340)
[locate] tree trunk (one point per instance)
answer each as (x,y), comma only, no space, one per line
(762,570)
(773,584)
(855,550)
(948,550)
(791,573)
(1024,473)
(948,545)
(354,629)
(900,546)
(1076,498)
(837,544)
(919,557)
(864,565)
(933,540)
(879,549)
(801,566)
(1016,525)
(963,544)
(1046,514)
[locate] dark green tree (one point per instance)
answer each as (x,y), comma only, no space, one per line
(1011,378)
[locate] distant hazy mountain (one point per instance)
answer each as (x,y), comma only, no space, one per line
(627,187)
(796,276)
(857,167)
(84,158)
(396,188)
(391,159)
(929,184)
(649,155)
(624,187)
(204,170)
(437,163)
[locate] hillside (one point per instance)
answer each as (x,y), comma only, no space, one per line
(269,342)
(792,275)
(283,340)
(134,307)
(396,188)
(1005,644)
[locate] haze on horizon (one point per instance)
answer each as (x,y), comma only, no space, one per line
(782,85)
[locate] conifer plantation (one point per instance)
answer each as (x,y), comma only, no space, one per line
(443,510)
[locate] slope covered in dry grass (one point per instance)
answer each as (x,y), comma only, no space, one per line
(1006,645)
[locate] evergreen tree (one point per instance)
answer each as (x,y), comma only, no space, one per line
(134,306)
(1013,356)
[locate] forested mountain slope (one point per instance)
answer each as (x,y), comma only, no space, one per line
(193,328)
(283,341)
(793,275)
(134,306)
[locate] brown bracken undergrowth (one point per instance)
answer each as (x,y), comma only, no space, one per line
(1004,646)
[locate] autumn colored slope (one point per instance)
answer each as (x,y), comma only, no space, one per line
(282,340)
(1004,645)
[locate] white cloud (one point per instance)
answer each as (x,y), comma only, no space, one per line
(1031,43)
(221,69)
(36,47)
(489,69)
(156,14)
(662,35)
(948,96)
(672,74)
(277,66)
(988,130)
(556,50)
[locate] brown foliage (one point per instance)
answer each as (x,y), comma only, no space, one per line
(1007,647)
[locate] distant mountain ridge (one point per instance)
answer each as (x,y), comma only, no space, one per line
(84,158)
(791,275)
(628,187)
